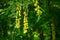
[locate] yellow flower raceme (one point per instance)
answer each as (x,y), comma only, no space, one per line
(37,8)
(17,25)
(25,22)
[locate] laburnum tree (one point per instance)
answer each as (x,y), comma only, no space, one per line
(29,20)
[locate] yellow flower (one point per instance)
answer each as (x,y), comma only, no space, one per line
(39,12)
(35,4)
(36,9)
(36,1)
(17,25)
(25,14)
(26,24)
(25,31)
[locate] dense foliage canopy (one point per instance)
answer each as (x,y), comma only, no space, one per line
(29,19)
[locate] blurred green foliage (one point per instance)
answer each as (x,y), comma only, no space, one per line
(39,25)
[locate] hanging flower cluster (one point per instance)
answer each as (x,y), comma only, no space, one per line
(17,25)
(25,22)
(37,7)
